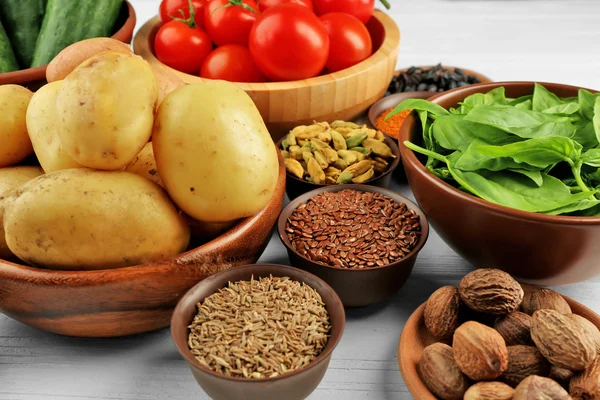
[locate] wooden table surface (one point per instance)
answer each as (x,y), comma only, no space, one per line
(557,41)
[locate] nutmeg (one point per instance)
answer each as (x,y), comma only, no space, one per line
(442,311)
(544,299)
(490,291)
(536,387)
(524,361)
(489,391)
(440,373)
(515,328)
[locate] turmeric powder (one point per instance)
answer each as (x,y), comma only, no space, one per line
(391,127)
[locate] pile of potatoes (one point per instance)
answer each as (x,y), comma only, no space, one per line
(133,164)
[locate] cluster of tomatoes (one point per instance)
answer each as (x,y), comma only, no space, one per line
(263,40)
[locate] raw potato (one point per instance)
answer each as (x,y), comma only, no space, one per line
(167,82)
(144,165)
(105,110)
(80,219)
(10,179)
(214,153)
(71,56)
(41,126)
(205,231)
(14,141)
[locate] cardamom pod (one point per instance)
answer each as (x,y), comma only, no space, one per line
(379,136)
(315,171)
(307,132)
(285,154)
(325,136)
(356,140)
(364,177)
(362,150)
(380,165)
(345,132)
(316,144)
(348,156)
(371,133)
(359,155)
(379,148)
(343,124)
(305,143)
(304,166)
(339,143)
(284,144)
(307,155)
(340,164)
(321,159)
(296,152)
(332,172)
(291,139)
(355,170)
(330,154)
(330,180)
(294,167)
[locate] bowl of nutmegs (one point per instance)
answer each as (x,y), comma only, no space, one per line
(492,337)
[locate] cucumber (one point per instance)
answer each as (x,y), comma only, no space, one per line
(70,21)
(22,20)
(8,61)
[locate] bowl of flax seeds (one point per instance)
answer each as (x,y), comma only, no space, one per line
(362,240)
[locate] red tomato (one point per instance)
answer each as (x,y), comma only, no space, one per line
(349,41)
(361,9)
(232,63)
(230,24)
(182,47)
(288,42)
(170,8)
(264,4)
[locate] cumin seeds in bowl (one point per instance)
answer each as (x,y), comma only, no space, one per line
(262,328)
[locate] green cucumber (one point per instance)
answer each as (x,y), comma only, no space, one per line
(22,20)
(8,61)
(70,21)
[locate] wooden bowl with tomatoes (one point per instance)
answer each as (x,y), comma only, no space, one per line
(294,60)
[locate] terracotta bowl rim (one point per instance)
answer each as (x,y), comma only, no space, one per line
(141,268)
(397,197)
(307,278)
(390,141)
(391,38)
(38,73)
(409,157)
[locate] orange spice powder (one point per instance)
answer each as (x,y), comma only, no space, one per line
(392,126)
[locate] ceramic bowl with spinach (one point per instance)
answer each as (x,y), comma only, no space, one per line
(507,174)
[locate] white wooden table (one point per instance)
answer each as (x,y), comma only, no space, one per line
(505,39)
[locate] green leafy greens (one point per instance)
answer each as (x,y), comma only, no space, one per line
(538,153)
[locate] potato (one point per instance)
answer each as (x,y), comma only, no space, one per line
(14,141)
(10,179)
(206,231)
(71,56)
(105,110)
(214,153)
(167,82)
(81,219)
(144,165)
(41,126)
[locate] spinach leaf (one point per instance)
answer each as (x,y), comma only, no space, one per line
(419,105)
(539,152)
(593,177)
(453,132)
(535,176)
(495,96)
(543,98)
(523,123)
(596,119)
(526,105)
(591,157)
(523,99)
(585,134)
(474,159)
(585,204)
(586,103)
(564,109)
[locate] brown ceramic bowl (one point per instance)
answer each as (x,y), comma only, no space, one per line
(295,187)
(296,385)
(415,338)
(537,248)
(125,301)
(357,287)
(392,101)
(34,78)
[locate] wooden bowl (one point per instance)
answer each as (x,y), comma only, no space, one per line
(537,248)
(125,301)
(415,338)
(296,385)
(342,95)
(357,287)
(34,78)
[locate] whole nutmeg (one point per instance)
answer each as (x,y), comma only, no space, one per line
(489,391)
(479,351)
(524,361)
(538,388)
(589,327)
(490,291)
(586,385)
(440,373)
(561,375)
(442,311)
(564,342)
(515,328)
(544,299)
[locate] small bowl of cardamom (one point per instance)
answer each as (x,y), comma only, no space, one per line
(337,153)
(259,332)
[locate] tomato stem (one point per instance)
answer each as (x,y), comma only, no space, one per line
(237,3)
(191,22)
(386,4)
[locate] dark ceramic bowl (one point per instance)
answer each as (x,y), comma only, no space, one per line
(34,78)
(392,101)
(296,385)
(357,287)
(295,187)
(536,248)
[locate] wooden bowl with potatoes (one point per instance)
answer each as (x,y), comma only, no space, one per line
(112,208)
